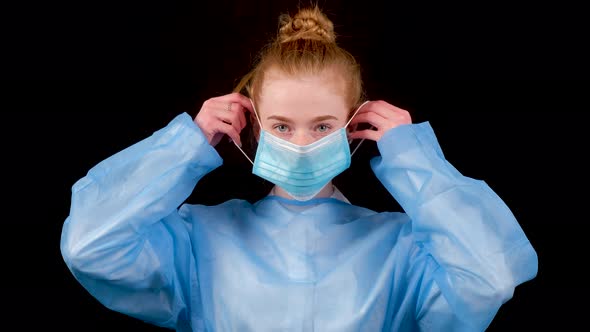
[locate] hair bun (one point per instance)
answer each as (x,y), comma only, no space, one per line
(308,23)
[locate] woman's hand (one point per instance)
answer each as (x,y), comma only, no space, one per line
(382,116)
(223,115)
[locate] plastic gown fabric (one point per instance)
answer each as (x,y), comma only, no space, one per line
(447,264)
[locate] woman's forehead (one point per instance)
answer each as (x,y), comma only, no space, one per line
(292,96)
(328,79)
(304,107)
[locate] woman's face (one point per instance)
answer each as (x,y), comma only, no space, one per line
(304,108)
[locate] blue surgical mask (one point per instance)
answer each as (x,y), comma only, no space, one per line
(302,171)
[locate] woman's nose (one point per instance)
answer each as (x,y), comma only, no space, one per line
(302,138)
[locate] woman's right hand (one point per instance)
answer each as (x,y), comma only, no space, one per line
(223,115)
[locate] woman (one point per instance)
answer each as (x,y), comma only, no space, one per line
(303,258)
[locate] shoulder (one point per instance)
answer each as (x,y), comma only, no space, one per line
(233,209)
(396,221)
(393,221)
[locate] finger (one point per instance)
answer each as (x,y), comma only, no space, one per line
(225,112)
(232,120)
(239,99)
(238,112)
(384,109)
(217,110)
(387,106)
(371,118)
(230,131)
(373,135)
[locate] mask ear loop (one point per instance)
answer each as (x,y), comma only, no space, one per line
(260,123)
(350,141)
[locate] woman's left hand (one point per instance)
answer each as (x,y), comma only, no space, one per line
(382,116)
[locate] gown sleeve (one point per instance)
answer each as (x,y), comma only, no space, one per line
(125,240)
(472,250)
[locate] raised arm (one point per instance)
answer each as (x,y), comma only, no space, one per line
(124,239)
(472,251)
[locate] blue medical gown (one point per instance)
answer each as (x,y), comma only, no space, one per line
(447,264)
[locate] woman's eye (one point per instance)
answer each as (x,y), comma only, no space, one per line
(323,128)
(281,128)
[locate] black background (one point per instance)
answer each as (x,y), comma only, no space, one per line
(501,84)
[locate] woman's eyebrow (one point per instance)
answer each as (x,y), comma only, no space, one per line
(324,118)
(279,118)
(316,119)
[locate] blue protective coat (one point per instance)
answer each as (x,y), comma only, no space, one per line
(282,265)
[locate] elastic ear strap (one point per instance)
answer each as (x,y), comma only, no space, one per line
(260,123)
(256,113)
(355,112)
(350,141)
(357,147)
(244,153)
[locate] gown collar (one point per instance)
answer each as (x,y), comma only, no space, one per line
(337,194)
